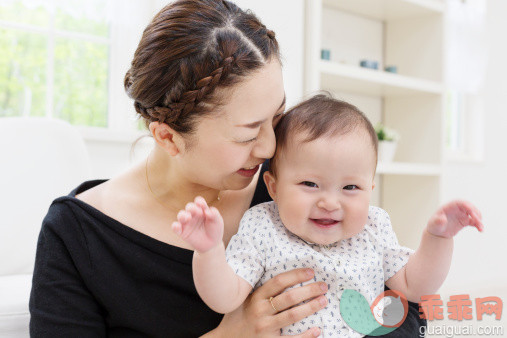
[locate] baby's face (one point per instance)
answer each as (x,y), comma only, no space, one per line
(323,187)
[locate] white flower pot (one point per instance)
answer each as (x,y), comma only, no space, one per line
(386,150)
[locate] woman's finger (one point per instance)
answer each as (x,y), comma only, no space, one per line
(279,283)
(297,295)
(299,312)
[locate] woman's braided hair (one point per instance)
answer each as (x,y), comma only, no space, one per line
(191,48)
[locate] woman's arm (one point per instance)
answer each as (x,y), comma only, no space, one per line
(428,266)
(60,303)
(257,318)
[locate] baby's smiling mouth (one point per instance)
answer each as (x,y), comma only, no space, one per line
(324,221)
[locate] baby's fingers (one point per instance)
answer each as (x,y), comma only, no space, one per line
(212,214)
(183,216)
(475,221)
(201,202)
(474,216)
(194,210)
(176,226)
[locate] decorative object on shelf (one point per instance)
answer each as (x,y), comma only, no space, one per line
(325,54)
(387,142)
(369,64)
(391,69)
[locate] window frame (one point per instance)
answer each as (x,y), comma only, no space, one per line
(464,127)
(125,30)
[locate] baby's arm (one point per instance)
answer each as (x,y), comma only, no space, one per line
(202,227)
(427,268)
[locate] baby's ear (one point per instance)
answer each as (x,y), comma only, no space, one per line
(270,182)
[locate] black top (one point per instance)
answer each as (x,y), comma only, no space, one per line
(96,277)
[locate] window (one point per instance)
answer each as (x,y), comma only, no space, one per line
(464,126)
(467,48)
(67,59)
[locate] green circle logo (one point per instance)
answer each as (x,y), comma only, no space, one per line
(387,312)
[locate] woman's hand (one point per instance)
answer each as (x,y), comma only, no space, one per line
(260,317)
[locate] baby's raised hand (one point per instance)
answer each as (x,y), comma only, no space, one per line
(199,225)
(453,217)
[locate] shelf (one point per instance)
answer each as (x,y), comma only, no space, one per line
(386,10)
(402,168)
(352,79)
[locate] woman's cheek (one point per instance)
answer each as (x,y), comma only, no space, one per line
(233,157)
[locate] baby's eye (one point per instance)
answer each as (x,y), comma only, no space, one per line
(351,187)
(310,184)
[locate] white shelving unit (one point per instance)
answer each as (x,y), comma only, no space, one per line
(408,34)
(417,169)
(366,81)
(386,10)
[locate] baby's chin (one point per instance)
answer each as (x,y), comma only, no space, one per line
(331,241)
(327,241)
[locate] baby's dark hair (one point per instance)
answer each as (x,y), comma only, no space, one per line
(320,116)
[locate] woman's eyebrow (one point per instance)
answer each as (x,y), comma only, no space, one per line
(254,125)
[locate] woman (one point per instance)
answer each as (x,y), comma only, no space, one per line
(206,78)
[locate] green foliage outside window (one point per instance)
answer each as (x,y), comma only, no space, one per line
(45,65)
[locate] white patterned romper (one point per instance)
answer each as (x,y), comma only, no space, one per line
(264,248)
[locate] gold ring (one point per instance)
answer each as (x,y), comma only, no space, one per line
(272,305)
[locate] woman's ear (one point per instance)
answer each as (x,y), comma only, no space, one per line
(270,182)
(167,138)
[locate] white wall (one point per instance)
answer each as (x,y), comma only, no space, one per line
(479,259)
(284,17)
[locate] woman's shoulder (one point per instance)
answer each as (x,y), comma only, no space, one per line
(114,197)
(84,205)
(63,223)
(92,195)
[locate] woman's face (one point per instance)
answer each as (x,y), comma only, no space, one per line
(228,146)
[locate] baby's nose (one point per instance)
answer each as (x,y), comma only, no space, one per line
(329,203)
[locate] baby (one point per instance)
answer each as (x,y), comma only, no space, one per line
(321,179)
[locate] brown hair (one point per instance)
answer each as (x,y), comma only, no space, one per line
(191,48)
(320,116)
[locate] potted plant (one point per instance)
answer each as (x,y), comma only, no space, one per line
(387,142)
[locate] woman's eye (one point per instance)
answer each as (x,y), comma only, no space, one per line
(309,184)
(277,119)
(249,141)
(351,187)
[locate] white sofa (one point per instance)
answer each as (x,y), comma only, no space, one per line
(41,159)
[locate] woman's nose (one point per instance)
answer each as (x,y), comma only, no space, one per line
(265,144)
